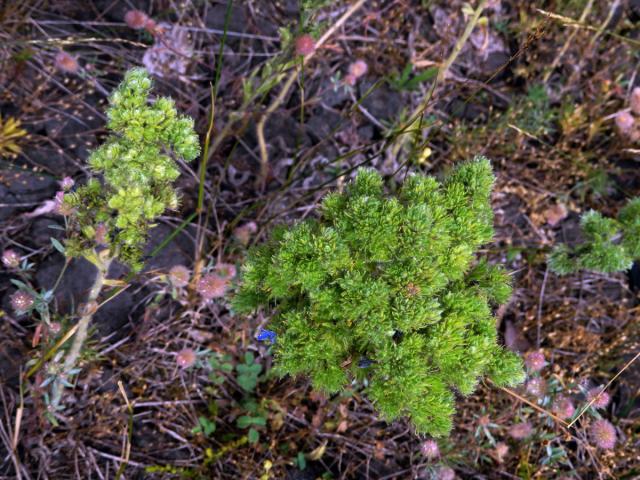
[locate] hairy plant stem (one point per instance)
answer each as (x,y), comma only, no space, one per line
(82,330)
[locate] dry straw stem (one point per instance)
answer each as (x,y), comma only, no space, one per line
(416,116)
(264,156)
(570,22)
(567,44)
(586,407)
(531,404)
(126,448)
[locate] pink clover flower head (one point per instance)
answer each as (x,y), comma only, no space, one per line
(601,397)
(429,449)
(136,19)
(305,45)
(67,183)
(186,358)
(603,434)
(563,407)
(358,68)
(520,431)
(179,276)
(11,258)
(212,286)
(537,387)
(535,361)
(66,62)
(21,301)
(226,270)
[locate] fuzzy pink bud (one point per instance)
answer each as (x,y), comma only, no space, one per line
(429,449)
(500,451)
(11,258)
(535,361)
(21,301)
(243,233)
(563,407)
(66,63)
(358,68)
(446,473)
(136,19)
(67,183)
(212,286)
(226,270)
(179,276)
(305,45)
(624,123)
(350,80)
(536,387)
(55,328)
(186,358)
(603,434)
(520,431)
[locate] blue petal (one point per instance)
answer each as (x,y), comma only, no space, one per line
(266,335)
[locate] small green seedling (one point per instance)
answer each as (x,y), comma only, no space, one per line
(610,244)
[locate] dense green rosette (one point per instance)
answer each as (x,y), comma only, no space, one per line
(389,290)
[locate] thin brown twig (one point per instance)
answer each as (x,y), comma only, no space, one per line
(531,404)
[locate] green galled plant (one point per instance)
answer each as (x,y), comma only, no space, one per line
(388,291)
(609,244)
(134,169)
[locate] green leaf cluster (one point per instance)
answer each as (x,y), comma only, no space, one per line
(609,245)
(135,170)
(388,291)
